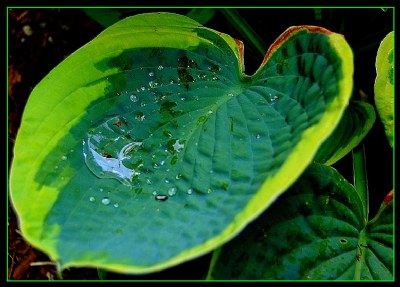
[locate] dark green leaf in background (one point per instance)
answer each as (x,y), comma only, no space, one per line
(355,124)
(314,231)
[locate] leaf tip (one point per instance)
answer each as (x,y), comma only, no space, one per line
(240,46)
(388,198)
(291,31)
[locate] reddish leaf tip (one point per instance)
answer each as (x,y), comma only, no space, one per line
(241,49)
(288,33)
(388,198)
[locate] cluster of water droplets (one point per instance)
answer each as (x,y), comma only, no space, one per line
(118,164)
(104,199)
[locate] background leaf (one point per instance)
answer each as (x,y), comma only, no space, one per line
(149,146)
(314,231)
(355,124)
(384,85)
(201,15)
(104,16)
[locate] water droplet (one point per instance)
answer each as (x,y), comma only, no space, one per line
(92,199)
(172,82)
(116,205)
(258,136)
(214,68)
(230,95)
(172,191)
(101,190)
(140,116)
(167,133)
(174,159)
(166,180)
(209,190)
(202,119)
(162,162)
(143,88)
(158,98)
(189,191)
(143,104)
(134,98)
(160,67)
(215,78)
(274,98)
(161,197)
(153,84)
(148,181)
(106,201)
(154,192)
(210,112)
(151,74)
(64,157)
(202,76)
(102,164)
(178,176)
(178,146)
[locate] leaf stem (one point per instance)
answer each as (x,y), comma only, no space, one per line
(244,29)
(59,271)
(102,274)
(360,255)
(360,177)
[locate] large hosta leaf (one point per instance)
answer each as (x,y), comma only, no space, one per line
(315,231)
(384,85)
(150,146)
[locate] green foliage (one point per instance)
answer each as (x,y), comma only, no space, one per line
(355,124)
(384,85)
(150,146)
(315,231)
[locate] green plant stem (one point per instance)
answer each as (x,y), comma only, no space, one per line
(59,271)
(360,177)
(244,29)
(102,274)
(360,255)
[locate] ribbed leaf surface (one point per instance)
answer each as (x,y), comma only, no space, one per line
(314,231)
(150,146)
